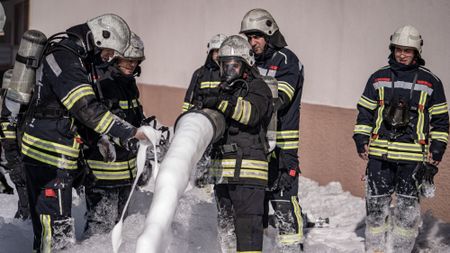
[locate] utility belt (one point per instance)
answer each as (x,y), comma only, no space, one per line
(50,113)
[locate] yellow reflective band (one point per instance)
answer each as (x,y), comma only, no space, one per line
(6,125)
(405,232)
(405,156)
(440,136)
(421,116)
(115,175)
(363,129)
(299,217)
(207,85)
(252,164)
(237,114)
(104,123)
(288,144)
(377,151)
(286,88)
(380,111)
(378,230)
(287,134)
(48,159)
(414,147)
(367,103)
(187,106)
(51,146)
(76,93)
(223,105)
(46,236)
(124,104)
(246,112)
(11,135)
(111,166)
(245,173)
(438,109)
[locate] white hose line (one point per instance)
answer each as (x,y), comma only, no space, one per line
(154,136)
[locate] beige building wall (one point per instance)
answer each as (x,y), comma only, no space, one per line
(340,43)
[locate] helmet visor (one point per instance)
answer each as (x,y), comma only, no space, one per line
(230,69)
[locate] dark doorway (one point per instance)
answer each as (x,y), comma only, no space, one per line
(16,24)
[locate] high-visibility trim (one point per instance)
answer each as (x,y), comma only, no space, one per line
(58,162)
(290,239)
(104,123)
(404,156)
(396,150)
(404,232)
(438,109)
(286,88)
(113,170)
(76,94)
(10,135)
(249,168)
(287,134)
(223,105)
(288,144)
(209,84)
(379,229)
(440,136)
(125,104)
(46,236)
(380,111)
(421,117)
(367,103)
(363,129)
(187,106)
(237,114)
(246,112)
(54,147)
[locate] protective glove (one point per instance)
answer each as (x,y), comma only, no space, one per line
(425,172)
(146,174)
(286,179)
(107,149)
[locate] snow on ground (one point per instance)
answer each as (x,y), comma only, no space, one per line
(194,227)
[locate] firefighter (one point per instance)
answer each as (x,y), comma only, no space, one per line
(205,80)
(9,126)
(402,130)
(240,165)
(113,166)
(275,60)
(63,97)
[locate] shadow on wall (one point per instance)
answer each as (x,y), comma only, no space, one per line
(327,151)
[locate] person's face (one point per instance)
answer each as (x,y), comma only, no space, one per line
(230,70)
(257,42)
(107,54)
(215,54)
(127,67)
(404,55)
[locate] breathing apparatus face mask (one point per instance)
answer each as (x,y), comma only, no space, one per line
(230,70)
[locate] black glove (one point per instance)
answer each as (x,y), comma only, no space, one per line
(360,141)
(286,179)
(437,150)
(146,174)
(210,102)
(425,172)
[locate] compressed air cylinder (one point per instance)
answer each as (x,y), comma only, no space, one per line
(5,85)
(272,127)
(24,73)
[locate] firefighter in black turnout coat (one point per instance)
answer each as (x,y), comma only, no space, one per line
(402,130)
(275,60)
(64,96)
(206,79)
(112,166)
(240,164)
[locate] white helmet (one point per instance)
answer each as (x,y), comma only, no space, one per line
(135,50)
(259,20)
(110,31)
(2,19)
(407,36)
(237,46)
(215,42)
